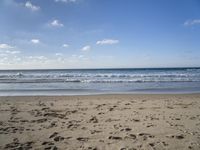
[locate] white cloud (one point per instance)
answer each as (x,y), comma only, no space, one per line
(9,53)
(22,61)
(36,58)
(3,55)
(77,58)
(5,46)
(30,6)
(192,22)
(35,41)
(86,48)
(41,57)
(66,1)
(65,45)
(107,42)
(59,54)
(12,52)
(56,23)
(81,56)
(8,50)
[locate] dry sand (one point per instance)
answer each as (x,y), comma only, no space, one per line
(113,122)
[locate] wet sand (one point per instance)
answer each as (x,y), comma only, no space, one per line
(101,122)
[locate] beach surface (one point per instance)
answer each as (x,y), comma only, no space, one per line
(101,122)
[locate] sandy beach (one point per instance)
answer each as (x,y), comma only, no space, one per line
(101,122)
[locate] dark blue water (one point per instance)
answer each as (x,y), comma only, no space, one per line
(99,81)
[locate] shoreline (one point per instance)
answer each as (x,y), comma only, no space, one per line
(104,94)
(101,122)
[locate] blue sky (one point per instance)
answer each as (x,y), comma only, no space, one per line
(99,33)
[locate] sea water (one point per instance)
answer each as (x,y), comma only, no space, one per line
(99,81)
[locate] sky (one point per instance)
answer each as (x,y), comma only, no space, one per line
(65,34)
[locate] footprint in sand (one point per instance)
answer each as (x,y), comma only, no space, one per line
(126,129)
(82,139)
(49,146)
(145,136)
(56,138)
(53,135)
(124,148)
(16,145)
(131,136)
(93,120)
(95,131)
(180,136)
(115,138)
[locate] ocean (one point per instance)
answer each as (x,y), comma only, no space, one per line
(99,81)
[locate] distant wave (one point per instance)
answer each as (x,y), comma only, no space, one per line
(102,76)
(20,75)
(96,81)
(193,69)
